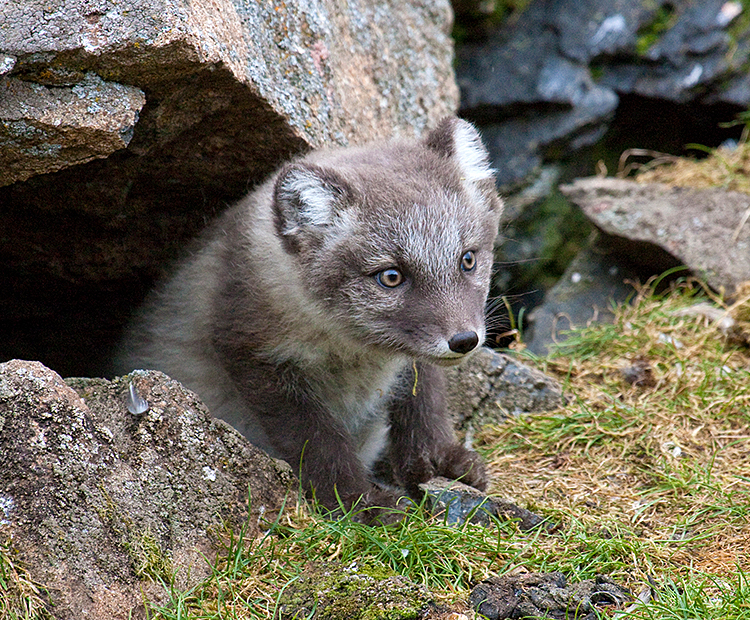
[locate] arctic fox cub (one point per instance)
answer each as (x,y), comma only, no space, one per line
(316,313)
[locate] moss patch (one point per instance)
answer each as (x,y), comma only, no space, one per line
(354,592)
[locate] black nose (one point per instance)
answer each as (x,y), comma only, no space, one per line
(463,342)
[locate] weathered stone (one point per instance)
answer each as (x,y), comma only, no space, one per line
(458,503)
(491,386)
(657,227)
(232,90)
(546,595)
(590,29)
(692,57)
(317,65)
(528,96)
(45,129)
(101,504)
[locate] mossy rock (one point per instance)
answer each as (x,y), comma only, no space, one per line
(355,592)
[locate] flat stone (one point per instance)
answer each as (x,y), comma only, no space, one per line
(45,128)
(656,226)
(457,503)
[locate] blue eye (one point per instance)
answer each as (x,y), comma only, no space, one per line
(468,261)
(389,278)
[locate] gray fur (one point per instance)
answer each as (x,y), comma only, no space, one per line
(278,322)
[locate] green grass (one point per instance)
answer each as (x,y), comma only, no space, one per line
(252,574)
(20,597)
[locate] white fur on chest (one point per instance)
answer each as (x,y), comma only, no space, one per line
(361,400)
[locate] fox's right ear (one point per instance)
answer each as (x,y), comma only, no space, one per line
(307,198)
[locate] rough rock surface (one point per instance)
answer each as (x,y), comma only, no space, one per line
(332,75)
(491,386)
(546,595)
(101,503)
(528,96)
(530,82)
(48,128)
(231,89)
(657,227)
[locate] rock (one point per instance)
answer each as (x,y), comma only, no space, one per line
(45,129)
(591,29)
(656,227)
(458,503)
(546,595)
(691,56)
(101,504)
(491,386)
(353,592)
(318,67)
(596,279)
(232,90)
(678,53)
(528,97)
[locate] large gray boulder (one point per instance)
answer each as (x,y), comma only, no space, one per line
(328,73)
(125,127)
(103,506)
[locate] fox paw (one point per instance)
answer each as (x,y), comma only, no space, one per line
(451,461)
(458,463)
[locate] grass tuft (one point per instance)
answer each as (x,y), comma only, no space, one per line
(20,597)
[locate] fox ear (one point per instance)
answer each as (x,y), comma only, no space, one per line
(459,140)
(306,198)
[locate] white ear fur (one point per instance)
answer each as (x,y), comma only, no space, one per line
(470,154)
(304,198)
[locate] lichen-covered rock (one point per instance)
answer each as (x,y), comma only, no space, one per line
(45,128)
(333,72)
(101,504)
(491,386)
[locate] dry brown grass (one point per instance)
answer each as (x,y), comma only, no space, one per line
(666,463)
(728,168)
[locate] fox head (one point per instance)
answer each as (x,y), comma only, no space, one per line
(395,242)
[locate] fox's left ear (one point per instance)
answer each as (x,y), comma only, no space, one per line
(459,140)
